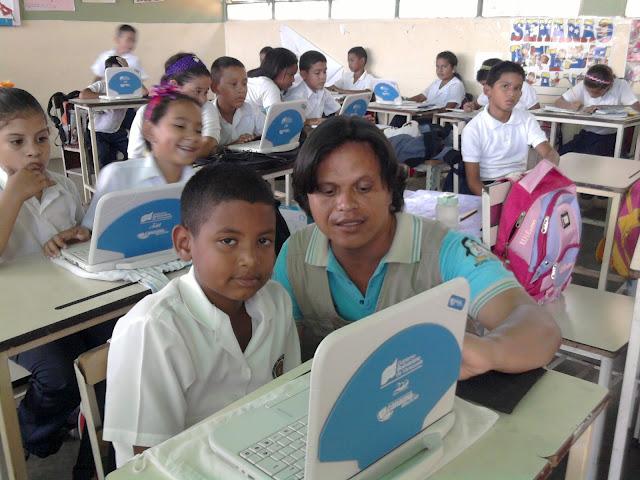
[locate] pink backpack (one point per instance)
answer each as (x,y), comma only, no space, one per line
(539,231)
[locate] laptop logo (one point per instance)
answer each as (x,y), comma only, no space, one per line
(399,369)
(285,127)
(125,83)
(456,302)
(155,217)
(386,91)
(356,109)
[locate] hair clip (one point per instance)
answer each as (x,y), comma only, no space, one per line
(183,64)
(158,92)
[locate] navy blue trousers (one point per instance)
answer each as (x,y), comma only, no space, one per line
(589,142)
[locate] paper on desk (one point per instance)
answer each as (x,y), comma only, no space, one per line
(153,278)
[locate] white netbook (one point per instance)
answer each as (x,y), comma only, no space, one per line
(132,229)
(122,83)
(355,105)
(380,392)
(281,132)
(388,93)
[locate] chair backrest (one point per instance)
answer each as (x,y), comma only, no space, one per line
(493,196)
(91,368)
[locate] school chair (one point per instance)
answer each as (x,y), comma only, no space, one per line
(19,380)
(91,369)
(594,323)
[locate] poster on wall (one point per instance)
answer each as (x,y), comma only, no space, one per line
(632,71)
(9,13)
(557,52)
(50,5)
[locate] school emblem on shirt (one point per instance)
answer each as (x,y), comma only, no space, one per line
(476,249)
(278,367)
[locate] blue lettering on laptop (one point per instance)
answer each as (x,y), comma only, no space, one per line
(390,395)
(144,229)
(456,302)
(356,109)
(285,127)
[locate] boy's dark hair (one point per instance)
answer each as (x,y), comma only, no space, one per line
(501,68)
(265,50)
(483,72)
(308,59)
(599,77)
(222,182)
(185,76)
(332,134)
(126,28)
(219,64)
(359,52)
(160,109)
(113,61)
(15,102)
(275,61)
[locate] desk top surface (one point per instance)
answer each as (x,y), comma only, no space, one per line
(101,102)
(520,445)
(38,298)
(585,118)
(401,109)
(609,173)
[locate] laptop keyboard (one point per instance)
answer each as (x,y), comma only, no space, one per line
(81,251)
(281,454)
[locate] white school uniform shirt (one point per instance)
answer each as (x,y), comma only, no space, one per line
(527,100)
(246,120)
(137,147)
(98,66)
(620,93)
(127,175)
(107,121)
(451,92)
(263,92)
(174,360)
(59,209)
(346,82)
(319,102)
(500,148)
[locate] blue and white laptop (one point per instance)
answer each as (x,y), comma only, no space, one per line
(281,132)
(387,92)
(355,105)
(132,229)
(380,392)
(122,83)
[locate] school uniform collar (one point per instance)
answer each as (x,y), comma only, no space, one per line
(494,123)
(48,195)
(405,247)
(150,170)
(308,91)
(362,77)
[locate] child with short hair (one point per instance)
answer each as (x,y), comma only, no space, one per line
(272,78)
(496,142)
(358,80)
(528,99)
(240,121)
(173,132)
(447,90)
(187,73)
(320,103)
(264,51)
(124,42)
(211,336)
(600,87)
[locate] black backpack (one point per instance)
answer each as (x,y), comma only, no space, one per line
(59,103)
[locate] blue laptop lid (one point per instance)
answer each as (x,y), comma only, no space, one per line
(124,82)
(358,108)
(285,127)
(386,91)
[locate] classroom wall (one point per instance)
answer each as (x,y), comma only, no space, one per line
(51,55)
(401,49)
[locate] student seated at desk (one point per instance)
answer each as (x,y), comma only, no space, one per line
(600,87)
(189,76)
(364,254)
(357,80)
(111,135)
(40,210)
(211,336)
(496,142)
(448,90)
(124,43)
(272,78)
(173,132)
(528,98)
(240,121)
(320,103)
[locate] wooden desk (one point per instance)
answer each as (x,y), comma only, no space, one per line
(589,120)
(89,107)
(527,444)
(39,303)
(607,177)
(389,111)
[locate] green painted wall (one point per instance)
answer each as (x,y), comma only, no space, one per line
(125,11)
(603,8)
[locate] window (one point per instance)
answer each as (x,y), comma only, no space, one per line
(302,10)
(363,9)
(633,8)
(539,8)
(248,10)
(450,8)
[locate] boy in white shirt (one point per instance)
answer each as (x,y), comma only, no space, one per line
(125,42)
(496,142)
(320,103)
(211,336)
(240,121)
(357,80)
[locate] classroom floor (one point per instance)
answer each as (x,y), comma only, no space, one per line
(59,466)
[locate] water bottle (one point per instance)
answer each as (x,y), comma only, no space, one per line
(447,210)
